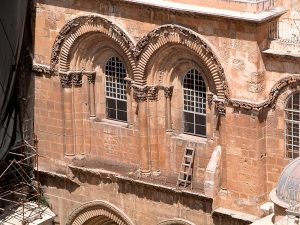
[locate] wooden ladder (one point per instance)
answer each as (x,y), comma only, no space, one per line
(186,170)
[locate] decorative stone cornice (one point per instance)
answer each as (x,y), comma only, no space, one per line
(39,68)
(289,81)
(74,78)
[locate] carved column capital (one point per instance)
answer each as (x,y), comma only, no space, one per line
(65,80)
(220,107)
(152,93)
(168,90)
(91,76)
(140,93)
(76,78)
(129,82)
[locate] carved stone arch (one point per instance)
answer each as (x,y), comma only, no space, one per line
(279,92)
(82,25)
(98,212)
(176,221)
(176,34)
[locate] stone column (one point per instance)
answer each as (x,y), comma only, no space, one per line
(129,83)
(66,83)
(153,138)
(140,94)
(168,95)
(91,79)
(77,111)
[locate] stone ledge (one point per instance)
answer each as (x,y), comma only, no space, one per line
(282,54)
(236,214)
(200,10)
(115,177)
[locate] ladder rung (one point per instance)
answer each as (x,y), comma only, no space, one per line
(186,164)
(188,156)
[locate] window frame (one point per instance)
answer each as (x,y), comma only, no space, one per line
(292,122)
(201,106)
(114,90)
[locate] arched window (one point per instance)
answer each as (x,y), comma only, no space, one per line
(194,109)
(292,125)
(115,90)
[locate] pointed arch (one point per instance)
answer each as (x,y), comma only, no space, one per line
(98,211)
(80,26)
(175,34)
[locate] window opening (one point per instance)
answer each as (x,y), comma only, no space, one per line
(194,110)
(292,126)
(115,90)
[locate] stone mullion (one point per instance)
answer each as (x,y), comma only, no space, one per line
(129,101)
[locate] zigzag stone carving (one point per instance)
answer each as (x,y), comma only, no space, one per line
(140,53)
(100,209)
(82,25)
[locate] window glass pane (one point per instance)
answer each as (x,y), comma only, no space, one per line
(200,120)
(122,105)
(111,114)
(122,115)
(115,88)
(188,117)
(200,130)
(189,128)
(110,103)
(194,103)
(292,125)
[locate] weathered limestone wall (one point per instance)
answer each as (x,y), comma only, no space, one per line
(252,145)
(144,204)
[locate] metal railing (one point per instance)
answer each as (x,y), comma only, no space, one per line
(285,30)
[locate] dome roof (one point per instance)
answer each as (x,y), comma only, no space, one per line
(288,186)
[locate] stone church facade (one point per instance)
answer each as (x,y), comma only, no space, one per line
(123,88)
